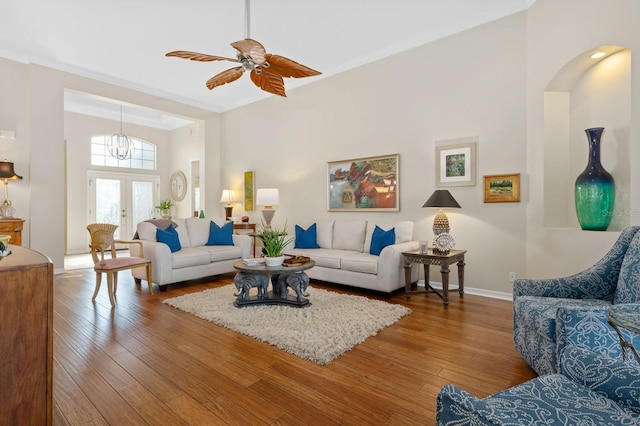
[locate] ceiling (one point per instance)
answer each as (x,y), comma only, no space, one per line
(124,42)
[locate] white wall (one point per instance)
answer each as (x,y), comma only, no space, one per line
(470,84)
(182,149)
(15,116)
(211,167)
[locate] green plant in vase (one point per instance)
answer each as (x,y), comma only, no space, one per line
(274,241)
(165,208)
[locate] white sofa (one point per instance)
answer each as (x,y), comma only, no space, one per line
(344,258)
(195,259)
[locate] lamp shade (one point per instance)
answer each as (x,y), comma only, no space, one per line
(267,196)
(441,198)
(228,196)
(7,171)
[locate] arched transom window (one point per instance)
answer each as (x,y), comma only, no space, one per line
(144,156)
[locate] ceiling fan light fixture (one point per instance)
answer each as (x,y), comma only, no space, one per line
(266,70)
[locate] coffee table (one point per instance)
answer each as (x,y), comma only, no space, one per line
(281,278)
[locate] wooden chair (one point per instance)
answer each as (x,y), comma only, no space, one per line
(102,240)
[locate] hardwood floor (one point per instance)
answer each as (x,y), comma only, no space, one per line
(144,362)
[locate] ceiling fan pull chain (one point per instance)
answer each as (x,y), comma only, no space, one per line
(247,17)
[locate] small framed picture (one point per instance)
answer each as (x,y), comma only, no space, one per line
(502,188)
(249,183)
(456,162)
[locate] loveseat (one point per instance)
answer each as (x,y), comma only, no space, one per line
(190,248)
(342,250)
(591,389)
(549,314)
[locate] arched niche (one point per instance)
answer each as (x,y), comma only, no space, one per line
(587,92)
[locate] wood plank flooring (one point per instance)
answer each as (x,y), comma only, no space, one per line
(145,363)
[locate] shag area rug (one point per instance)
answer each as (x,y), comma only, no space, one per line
(332,325)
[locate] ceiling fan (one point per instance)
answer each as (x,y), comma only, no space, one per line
(266,70)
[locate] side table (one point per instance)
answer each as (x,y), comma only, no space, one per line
(626,316)
(12,227)
(249,227)
(428,259)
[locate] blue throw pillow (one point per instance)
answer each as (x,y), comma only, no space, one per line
(306,238)
(220,236)
(380,239)
(170,237)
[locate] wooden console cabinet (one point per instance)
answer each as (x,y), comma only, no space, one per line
(26,338)
(12,227)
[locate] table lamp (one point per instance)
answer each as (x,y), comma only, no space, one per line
(7,173)
(441,198)
(267,197)
(228,196)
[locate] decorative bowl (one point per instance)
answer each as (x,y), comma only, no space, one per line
(4,239)
(274,261)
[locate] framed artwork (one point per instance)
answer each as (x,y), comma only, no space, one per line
(249,180)
(363,184)
(502,188)
(456,162)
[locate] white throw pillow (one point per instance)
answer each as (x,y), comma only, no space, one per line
(198,231)
(146,231)
(183,232)
(324,231)
(349,234)
(403,231)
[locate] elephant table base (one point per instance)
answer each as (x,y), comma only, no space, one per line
(281,278)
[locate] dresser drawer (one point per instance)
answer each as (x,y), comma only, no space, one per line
(12,227)
(9,227)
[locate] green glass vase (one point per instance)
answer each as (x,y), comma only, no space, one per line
(594,188)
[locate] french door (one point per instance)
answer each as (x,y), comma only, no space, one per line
(122,199)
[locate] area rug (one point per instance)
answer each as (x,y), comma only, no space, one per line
(332,325)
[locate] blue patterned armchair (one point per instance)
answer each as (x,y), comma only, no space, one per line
(550,314)
(591,389)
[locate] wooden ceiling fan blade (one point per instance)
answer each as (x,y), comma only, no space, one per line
(225,77)
(289,68)
(268,82)
(252,48)
(195,56)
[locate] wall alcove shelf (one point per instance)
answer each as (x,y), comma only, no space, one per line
(587,92)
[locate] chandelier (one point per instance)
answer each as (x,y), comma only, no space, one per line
(121,146)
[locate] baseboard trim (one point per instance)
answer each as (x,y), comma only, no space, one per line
(471,290)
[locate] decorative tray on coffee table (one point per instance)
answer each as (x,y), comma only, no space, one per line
(291,260)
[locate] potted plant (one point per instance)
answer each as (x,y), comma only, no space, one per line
(274,241)
(165,208)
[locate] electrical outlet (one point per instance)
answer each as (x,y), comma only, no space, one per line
(512,277)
